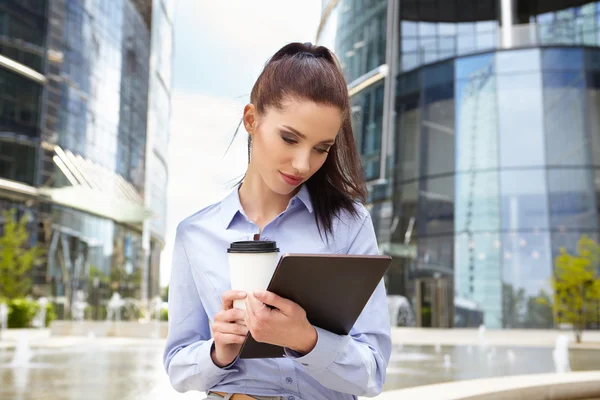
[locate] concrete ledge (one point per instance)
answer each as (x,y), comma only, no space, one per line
(573,385)
(13,335)
(131,329)
(491,337)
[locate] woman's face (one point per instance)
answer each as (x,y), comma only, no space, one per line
(291,144)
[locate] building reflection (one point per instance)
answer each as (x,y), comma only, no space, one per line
(478,130)
(84,111)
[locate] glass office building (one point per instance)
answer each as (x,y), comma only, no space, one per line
(479,132)
(80,152)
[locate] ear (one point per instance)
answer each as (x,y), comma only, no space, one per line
(250,118)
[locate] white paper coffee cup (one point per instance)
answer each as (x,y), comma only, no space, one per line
(251,266)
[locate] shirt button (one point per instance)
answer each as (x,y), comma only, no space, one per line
(293,203)
(289,380)
(291,398)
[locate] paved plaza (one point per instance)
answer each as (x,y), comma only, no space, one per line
(76,367)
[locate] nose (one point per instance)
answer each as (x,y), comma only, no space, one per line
(301,162)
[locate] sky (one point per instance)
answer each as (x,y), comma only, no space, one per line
(220,49)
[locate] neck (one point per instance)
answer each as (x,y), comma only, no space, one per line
(259,202)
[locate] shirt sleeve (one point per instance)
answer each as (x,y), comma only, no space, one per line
(356,363)
(187,357)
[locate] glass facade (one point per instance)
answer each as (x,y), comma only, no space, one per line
(75,126)
(496,143)
(22,26)
(159,113)
(367,118)
(96,113)
(496,169)
(100,104)
(22,32)
(360,39)
(435,30)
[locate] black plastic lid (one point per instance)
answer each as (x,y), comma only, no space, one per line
(253,246)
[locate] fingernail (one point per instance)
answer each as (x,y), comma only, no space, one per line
(242,294)
(259,292)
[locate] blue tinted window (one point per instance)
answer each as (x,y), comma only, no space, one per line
(572,199)
(438,73)
(524,200)
(521,120)
(562,59)
(518,61)
(567,141)
(467,66)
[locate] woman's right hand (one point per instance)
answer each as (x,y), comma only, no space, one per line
(229,330)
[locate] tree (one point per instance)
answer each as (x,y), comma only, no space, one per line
(539,311)
(17,257)
(165,295)
(576,284)
(513,302)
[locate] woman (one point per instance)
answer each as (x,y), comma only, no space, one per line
(302,189)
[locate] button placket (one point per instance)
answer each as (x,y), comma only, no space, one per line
(288,375)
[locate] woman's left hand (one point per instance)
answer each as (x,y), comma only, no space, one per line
(284,325)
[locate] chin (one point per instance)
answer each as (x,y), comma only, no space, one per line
(282,188)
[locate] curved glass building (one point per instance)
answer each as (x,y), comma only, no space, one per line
(84,110)
(480,135)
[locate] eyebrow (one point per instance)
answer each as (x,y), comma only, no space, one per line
(301,136)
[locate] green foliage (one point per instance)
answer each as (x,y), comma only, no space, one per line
(165,295)
(576,285)
(522,311)
(539,312)
(21,312)
(164,314)
(512,306)
(50,314)
(16,257)
(95,272)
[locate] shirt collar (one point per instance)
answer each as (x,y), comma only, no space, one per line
(304,197)
(231,205)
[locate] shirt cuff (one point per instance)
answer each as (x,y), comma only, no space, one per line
(206,361)
(328,347)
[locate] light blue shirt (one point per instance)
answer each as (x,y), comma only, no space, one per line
(339,367)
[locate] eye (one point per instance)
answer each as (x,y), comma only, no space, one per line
(322,151)
(288,140)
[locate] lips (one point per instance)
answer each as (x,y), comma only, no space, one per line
(291,179)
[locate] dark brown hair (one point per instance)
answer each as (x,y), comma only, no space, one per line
(306,72)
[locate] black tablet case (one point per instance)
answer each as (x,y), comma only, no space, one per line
(332,289)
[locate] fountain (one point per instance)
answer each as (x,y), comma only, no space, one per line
(156,308)
(400,311)
(22,353)
(491,355)
(447,361)
(78,307)
(482,340)
(114,307)
(3,318)
(39,321)
(511,356)
(561,354)
(438,348)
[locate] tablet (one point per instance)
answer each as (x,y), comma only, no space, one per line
(333,289)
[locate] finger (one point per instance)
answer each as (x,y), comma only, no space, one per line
(231,315)
(250,312)
(228,338)
(231,329)
(254,305)
(229,296)
(269,298)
